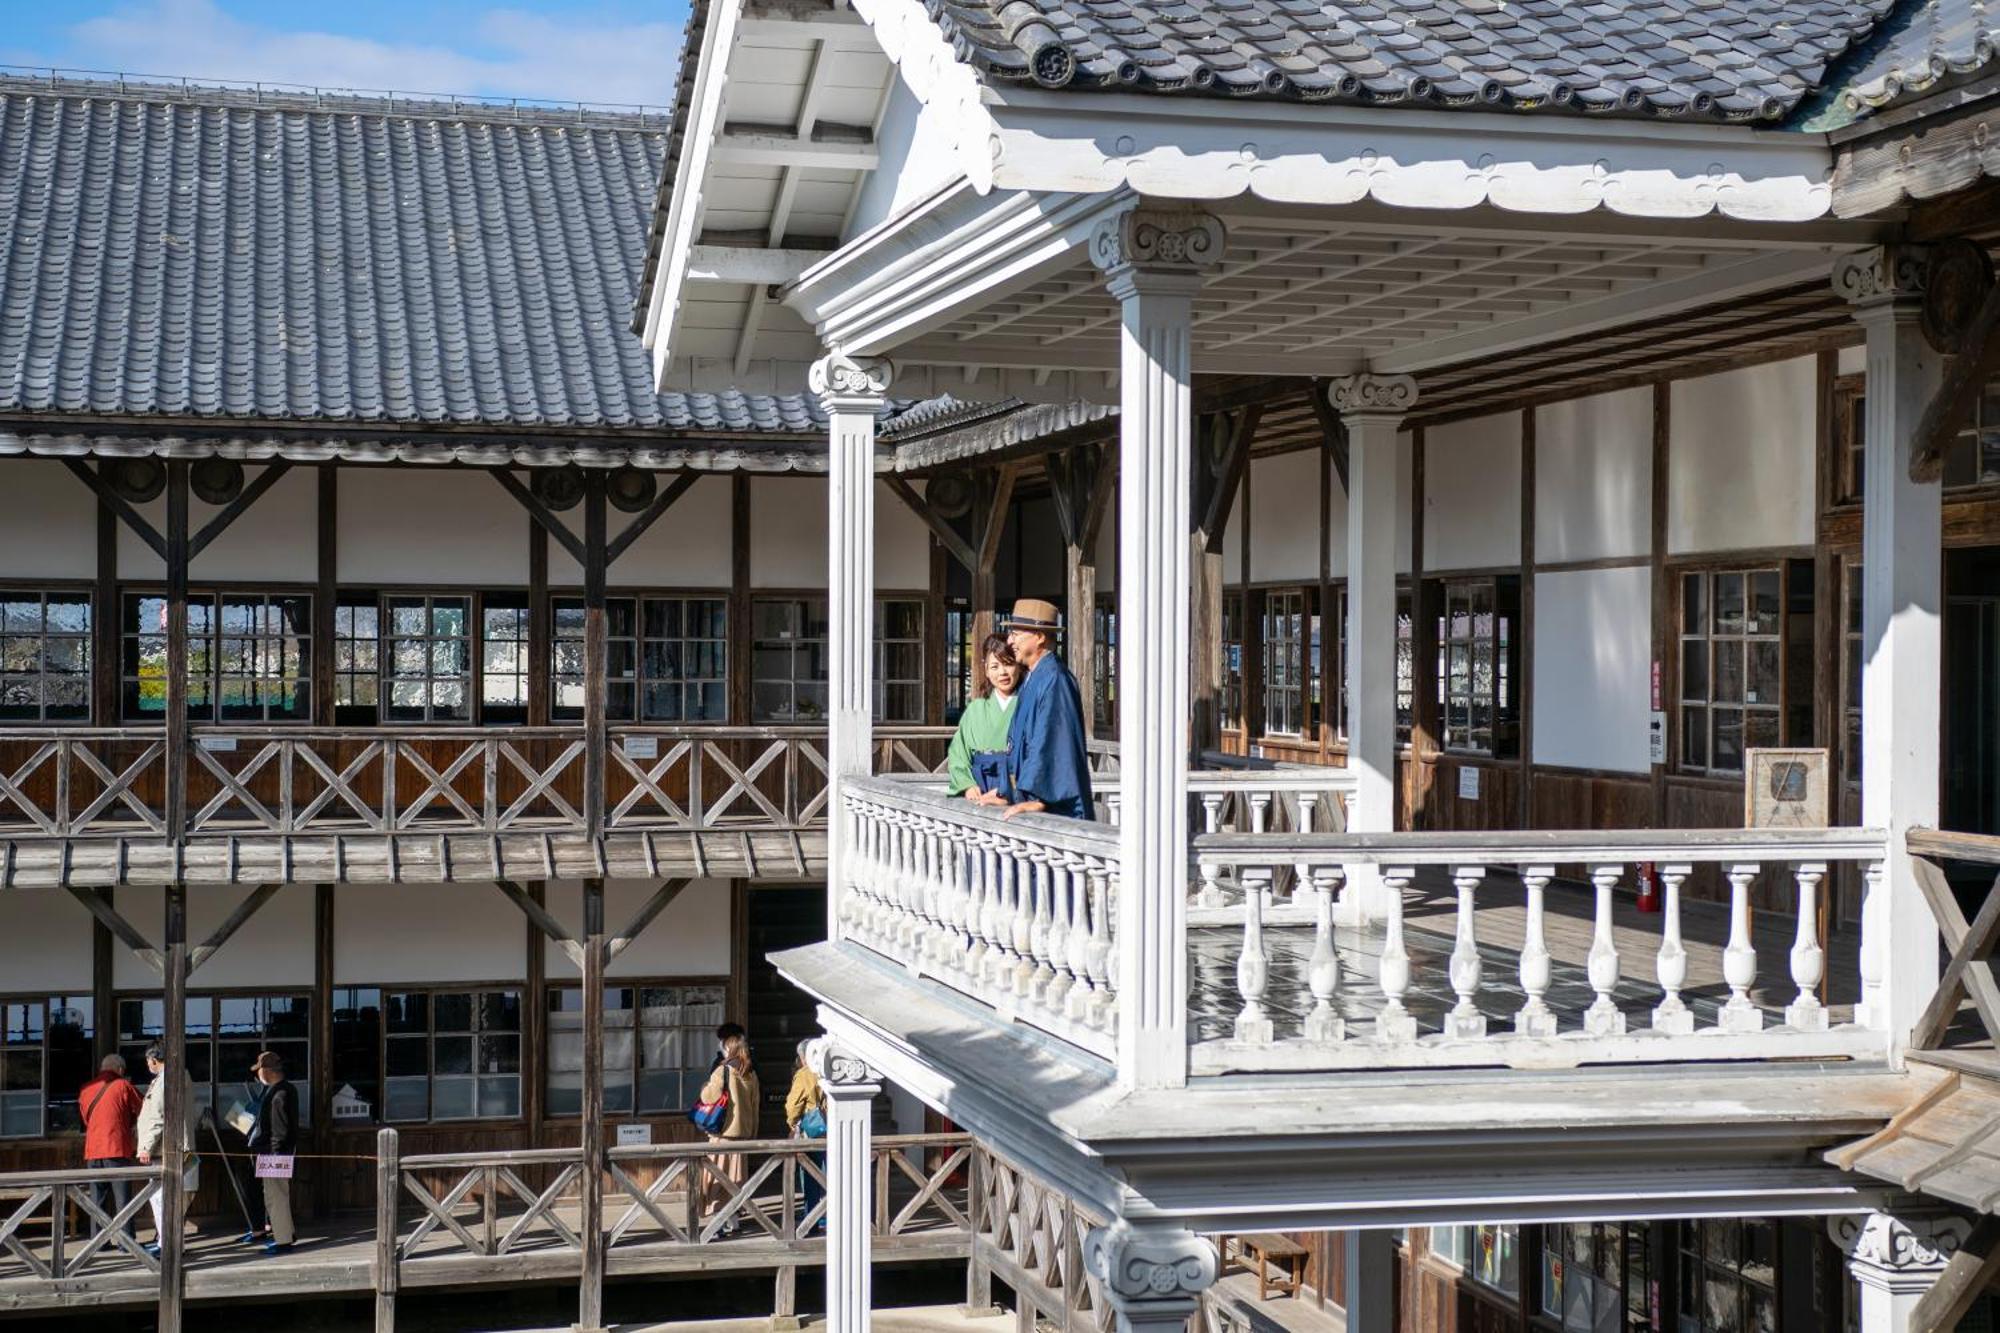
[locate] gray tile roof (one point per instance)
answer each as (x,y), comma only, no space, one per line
(1925,47)
(1729,60)
(190,254)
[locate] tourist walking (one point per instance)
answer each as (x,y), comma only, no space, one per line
(276,1135)
(734,1079)
(977,760)
(805,1114)
(1048,759)
(152,1138)
(109,1107)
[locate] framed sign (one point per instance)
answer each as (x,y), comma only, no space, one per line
(274,1166)
(1784,788)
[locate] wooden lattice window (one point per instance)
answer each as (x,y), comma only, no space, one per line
(450,1054)
(1285,663)
(684,659)
(1477,707)
(249,657)
(621,658)
(659,1041)
(503,658)
(225,1034)
(45,1056)
(1731,666)
(1728,1275)
(44,656)
(1598,1275)
(1232,661)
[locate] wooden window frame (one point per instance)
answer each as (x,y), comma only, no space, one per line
(1502,691)
(430,1036)
(131,680)
(10,637)
(299,1072)
(958,653)
(1104,664)
(1694,1266)
(514,664)
(1555,1261)
(763,596)
(1746,568)
(720,984)
(1232,698)
(1284,659)
(48,1094)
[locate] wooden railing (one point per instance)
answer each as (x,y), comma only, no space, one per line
(82,1236)
(1016,912)
(1031,1237)
(275,780)
(1969,974)
(1354,891)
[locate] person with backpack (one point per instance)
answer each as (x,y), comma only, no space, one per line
(728,1111)
(109,1107)
(805,1113)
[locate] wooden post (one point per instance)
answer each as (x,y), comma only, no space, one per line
(326,594)
(103,971)
(173,1160)
(534,1024)
(540,639)
(177,656)
(1426,727)
(1666,659)
(321,1055)
(1524,633)
(1329,626)
(590,1226)
(594,655)
(104,619)
(978,1268)
(785,1300)
(739,600)
(388,1193)
(998,497)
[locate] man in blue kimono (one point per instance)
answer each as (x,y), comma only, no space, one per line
(1048,765)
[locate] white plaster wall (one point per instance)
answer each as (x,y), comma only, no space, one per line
(388,933)
(788,537)
(689,547)
(1593,668)
(1472,493)
(47,942)
(272,948)
(48,522)
(917,156)
(1740,461)
(276,540)
(689,939)
(412,525)
(1594,477)
(1853,360)
(1284,497)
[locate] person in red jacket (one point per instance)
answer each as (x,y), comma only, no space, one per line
(109,1105)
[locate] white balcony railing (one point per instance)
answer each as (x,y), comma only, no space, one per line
(1320,951)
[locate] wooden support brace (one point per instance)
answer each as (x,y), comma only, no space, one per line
(662,898)
(662,502)
(541,513)
(1336,434)
(545,923)
(116,503)
(1964,1280)
(955,546)
(994,526)
(246,909)
(1097,503)
(1215,517)
(127,933)
(1965,376)
(1970,971)
(253,492)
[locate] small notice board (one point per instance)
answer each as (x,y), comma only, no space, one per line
(274,1166)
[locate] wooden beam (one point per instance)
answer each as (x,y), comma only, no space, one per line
(590,1225)
(534,1021)
(543,515)
(1964,1280)
(174,1160)
(539,916)
(1424,721)
(596,656)
(105,679)
(986,543)
(103,984)
(116,503)
(177,652)
(320,1056)
(1103,485)
(540,638)
(326,596)
(1235,464)
(98,901)
(995,525)
(1330,427)
(235,509)
(956,546)
(662,898)
(662,502)
(1970,971)
(1523,680)
(738,649)
(1964,379)
(246,909)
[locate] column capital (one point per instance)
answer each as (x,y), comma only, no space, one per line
(856,383)
(1372,395)
(838,1068)
(1158,242)
(1151,1274)
(1902,1251)
(1883,275)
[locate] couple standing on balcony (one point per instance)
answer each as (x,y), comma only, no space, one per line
(1020,747)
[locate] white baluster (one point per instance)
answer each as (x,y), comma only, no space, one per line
(1395,1023)
(1323,1024)
(1302,880)
(1026,889)
(1111,803)
(1603,1018)
(1104,1011)
(1211,871)
(1671,1015)
(1055,991)
(1039,924)
(1739,959)
(1260,811)
(1077,1003)
(1806,1013)
(1253,965)
(1873,1009)
(978,941)
(1465,1022)
(1535,1018)
(1008,908)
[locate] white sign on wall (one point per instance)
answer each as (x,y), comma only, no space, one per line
(1468,783)
(642,747)
(634,1136)
(1656,738)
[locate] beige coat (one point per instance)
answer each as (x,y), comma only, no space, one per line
(804,1095)
(744,1094)
(153,1117)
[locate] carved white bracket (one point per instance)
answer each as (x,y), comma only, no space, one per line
(837,1067)
(1354,395)
(1178,240)
(1900,1251)
(1883,273)
(1141,1267)
(851,382)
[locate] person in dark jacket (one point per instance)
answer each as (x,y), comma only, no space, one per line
(276,1135)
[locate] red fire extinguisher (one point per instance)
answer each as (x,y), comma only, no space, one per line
(1649,887)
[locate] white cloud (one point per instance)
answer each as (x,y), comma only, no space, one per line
(523,55)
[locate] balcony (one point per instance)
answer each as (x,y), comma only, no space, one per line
(90,807)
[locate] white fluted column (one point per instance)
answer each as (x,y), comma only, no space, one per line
(850,1086)
(1895,1258)
(1153,1276)
(1372,408)
(1153,260)
(852,390)
(1902,598)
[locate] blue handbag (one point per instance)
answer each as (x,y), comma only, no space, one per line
(813,1123)
(708,1116)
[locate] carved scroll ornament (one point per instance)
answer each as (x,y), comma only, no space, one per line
(1912,1242)
(835,1066)
(1883,273)
(1137,1264)
(838,375)
(1372,393)
(1172,240)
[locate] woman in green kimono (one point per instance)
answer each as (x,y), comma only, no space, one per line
(978,752)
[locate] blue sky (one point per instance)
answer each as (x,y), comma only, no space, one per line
(608,51)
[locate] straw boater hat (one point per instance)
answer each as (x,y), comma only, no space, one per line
(1036,614)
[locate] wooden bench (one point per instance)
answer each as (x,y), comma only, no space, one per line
(1280,1263)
